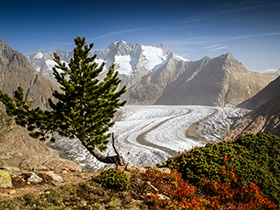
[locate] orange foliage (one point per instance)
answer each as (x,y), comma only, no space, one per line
(207,194)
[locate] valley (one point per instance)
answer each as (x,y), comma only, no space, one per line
(173,104)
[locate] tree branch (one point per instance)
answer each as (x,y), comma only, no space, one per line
(115,159)
(114,144)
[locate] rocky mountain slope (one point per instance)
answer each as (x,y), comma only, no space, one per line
(268,93)
(221,81)
(156,75)
(15,70)
(266,114)
(18,149)
(266,118)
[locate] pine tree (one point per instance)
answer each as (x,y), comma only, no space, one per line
(84,108)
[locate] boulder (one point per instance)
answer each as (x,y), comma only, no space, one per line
(130,167)
(5,179)
(34,178)
(55,177)
(51,177)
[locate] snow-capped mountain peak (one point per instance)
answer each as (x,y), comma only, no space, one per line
(129,58)
(39,55)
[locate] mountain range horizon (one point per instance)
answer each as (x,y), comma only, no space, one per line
(156,75)
(268,70)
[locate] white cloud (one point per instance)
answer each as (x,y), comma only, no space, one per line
(213,46)
(117,32)
(194,19)
(218,48)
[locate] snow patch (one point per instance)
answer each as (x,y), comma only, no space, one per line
(272,71)
(50,63)
(153,56)
(123,61)
(182,58)
(39,55)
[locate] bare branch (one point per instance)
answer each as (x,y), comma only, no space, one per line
(114,144)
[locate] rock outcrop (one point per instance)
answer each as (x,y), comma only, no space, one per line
(265,116)
(5,179)
(268,93)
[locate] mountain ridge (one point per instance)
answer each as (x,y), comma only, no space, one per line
(156,75)
(214,81)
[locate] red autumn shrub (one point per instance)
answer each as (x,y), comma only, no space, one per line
(173,192)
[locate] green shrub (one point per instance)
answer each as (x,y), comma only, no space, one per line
(114,179)
(256,159)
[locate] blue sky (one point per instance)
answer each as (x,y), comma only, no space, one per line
(249,29)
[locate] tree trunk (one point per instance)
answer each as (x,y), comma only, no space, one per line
(116,159)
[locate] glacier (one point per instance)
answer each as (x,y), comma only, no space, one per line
(147,135)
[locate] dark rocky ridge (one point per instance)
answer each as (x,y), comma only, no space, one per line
(15,70)
(266,118)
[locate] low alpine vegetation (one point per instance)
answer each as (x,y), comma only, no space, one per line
(180,194)
(238,175)
(114,179)
(255,159)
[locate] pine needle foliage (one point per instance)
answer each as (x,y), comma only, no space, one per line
(84,107)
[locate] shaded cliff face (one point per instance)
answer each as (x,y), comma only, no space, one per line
(15,70)
(149,88)
(268,93)
(266,118)
(221,81)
